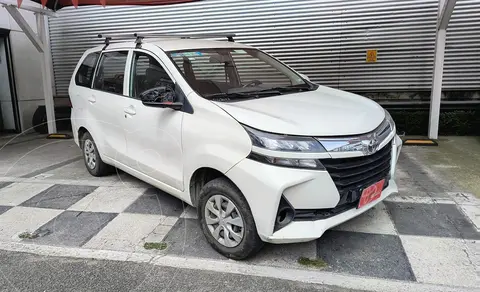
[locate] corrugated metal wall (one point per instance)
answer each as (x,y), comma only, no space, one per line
(325,39)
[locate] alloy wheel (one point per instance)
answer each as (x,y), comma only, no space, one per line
(90,154)
(224,221)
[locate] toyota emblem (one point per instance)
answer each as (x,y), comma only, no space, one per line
(371,146)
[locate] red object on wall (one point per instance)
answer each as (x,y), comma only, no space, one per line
(59,4)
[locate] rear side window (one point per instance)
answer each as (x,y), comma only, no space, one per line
(110,72)
(85,72)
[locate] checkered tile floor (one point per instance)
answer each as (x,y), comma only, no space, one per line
(414,236)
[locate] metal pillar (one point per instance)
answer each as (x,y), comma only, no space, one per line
(445,9)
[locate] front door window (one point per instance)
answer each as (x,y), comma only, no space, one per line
(149,81)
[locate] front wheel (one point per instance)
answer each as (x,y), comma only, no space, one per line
(227,221)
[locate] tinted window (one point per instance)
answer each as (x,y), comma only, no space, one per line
(149,81)
(229,73)
(251,68)
(111,68)
(85,72)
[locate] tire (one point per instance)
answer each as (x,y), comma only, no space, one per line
(250,242)
(39,120)
(90,150)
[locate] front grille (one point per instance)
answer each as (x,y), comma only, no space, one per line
(351,176)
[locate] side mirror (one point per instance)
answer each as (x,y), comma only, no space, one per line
(162,97)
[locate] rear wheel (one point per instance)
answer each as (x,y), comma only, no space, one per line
(227,221)
(91,157)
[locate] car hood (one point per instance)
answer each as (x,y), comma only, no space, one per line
(323,112)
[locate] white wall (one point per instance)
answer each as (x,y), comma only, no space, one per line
(26,67)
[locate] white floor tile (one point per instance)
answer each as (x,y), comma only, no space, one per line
(465,199)
(125,232)
(444,261)
(158,234)
(108,199)
(24,219)
(17,193)
(375,220)
(169,220)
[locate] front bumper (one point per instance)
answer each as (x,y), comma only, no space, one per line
(264,185)
(301,231)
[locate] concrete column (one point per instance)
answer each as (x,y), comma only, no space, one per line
(46,74)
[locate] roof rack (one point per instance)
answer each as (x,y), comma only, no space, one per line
(139,37)
(229,36)
(107,40)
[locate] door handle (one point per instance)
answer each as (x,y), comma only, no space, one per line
(92,99)
(129,110)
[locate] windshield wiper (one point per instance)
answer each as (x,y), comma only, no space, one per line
(241,95)
(285,89)
(225,95)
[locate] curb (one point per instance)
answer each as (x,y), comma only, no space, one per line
(235,267)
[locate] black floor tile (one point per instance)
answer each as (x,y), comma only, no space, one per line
(442,220)
(59,196)
(186,238)
(364,254)
(157,202)
(72,228)
(4,209)
(4,184)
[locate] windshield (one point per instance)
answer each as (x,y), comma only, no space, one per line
(229,74)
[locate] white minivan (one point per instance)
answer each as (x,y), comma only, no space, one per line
(264,154)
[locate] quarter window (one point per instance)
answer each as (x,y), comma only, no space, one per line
(85,72)
(110,73)
(149,81)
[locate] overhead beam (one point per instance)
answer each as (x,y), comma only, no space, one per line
(445,14)
(17,16)
(26,6)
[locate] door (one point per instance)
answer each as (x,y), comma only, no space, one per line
(105,103)
(8,103)
(153,135)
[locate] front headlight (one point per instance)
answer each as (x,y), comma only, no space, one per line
(389,120)
(284,143)
(278,142)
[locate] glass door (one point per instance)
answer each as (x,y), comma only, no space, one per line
(9,122)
